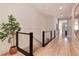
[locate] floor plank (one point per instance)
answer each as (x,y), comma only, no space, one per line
(59,47)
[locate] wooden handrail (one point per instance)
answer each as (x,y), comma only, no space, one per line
(24,33)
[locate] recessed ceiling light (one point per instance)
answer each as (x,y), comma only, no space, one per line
(61,15)
(60,8)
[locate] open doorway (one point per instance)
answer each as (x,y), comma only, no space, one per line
(62,28)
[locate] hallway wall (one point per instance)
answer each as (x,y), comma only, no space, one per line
(51,24)
(30,20)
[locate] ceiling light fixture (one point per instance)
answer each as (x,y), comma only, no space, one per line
(61,15)
(60,8)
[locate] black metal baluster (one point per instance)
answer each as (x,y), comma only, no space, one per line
(31,44)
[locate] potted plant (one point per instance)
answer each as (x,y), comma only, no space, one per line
(8,30)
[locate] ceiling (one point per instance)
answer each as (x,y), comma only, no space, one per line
(59,10)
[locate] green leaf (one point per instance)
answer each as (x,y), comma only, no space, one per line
(9,28)
(2,35)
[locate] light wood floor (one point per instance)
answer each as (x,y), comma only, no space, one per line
(59,47)
(17,54)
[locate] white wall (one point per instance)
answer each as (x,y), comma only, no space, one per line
(51,24)
(30,20)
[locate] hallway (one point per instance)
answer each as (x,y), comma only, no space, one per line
(61,47)
(41,25)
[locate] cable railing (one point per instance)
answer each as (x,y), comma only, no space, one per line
(20,47)
(27,44)
(37,40)
(36,44)
(47,37)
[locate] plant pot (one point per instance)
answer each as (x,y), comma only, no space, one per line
(13,50)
